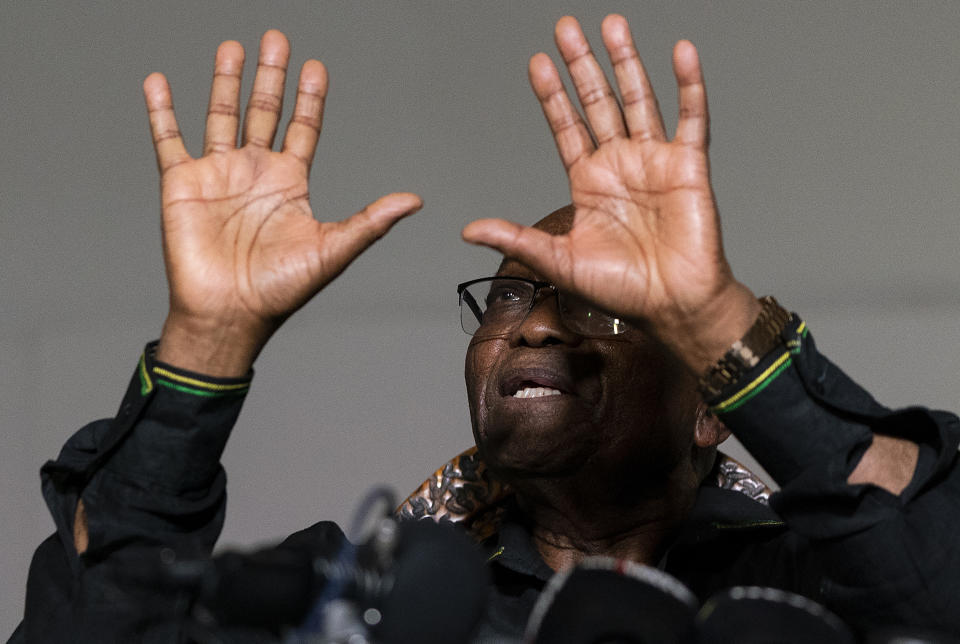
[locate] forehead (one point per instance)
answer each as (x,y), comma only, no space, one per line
(514,268)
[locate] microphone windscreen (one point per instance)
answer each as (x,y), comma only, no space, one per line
(609,600)
(441,584)
(754,615)
(264,589)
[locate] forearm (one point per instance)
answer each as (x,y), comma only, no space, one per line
(158,465)
(888,462)
(122,490)
(819,433)
(168,454)
(875,491)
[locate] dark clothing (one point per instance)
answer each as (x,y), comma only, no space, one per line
(728,540)
(151,478)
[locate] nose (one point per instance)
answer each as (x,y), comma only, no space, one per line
(543,326)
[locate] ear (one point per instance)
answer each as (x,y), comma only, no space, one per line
(709,432)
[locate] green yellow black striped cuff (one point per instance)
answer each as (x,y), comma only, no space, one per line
(152,376)
(781,363)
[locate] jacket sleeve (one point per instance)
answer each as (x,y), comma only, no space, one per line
(152,489)
(889,559)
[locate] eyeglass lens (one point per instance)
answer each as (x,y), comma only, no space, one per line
(497,305)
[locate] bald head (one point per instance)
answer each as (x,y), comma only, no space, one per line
(558,222)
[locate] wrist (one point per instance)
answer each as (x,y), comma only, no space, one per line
(700,338)
(214,348)
(761,340)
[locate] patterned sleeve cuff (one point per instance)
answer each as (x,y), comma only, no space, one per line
(153,374)
(764,373)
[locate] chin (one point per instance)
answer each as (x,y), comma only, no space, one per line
(513,452)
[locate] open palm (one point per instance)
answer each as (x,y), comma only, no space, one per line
(645,241)
(241,246)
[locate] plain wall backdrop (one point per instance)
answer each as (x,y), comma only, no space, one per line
(836,138)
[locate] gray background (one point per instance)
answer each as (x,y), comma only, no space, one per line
(835,146)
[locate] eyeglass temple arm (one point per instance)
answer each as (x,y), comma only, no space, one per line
(472,303)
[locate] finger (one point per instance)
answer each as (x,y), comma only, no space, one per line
(359,231)
(307,119)
(163,123)
(223,112)
(598,101)
(569,131)
(540,251)
(693,122)
(266,98)
(640,108)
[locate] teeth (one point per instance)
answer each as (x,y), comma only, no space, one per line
(536,392)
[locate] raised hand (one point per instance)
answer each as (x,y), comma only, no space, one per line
(241,246)
(645,241)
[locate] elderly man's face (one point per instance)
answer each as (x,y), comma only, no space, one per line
(623,399)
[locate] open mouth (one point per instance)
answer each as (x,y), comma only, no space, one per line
(536,392)
(534,385)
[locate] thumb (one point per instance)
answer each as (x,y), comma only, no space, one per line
(360,230)
(536,249)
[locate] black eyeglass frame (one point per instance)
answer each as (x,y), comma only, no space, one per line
(537,285)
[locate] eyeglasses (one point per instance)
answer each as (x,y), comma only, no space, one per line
(497,305)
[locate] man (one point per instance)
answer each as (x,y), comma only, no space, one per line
(604,424)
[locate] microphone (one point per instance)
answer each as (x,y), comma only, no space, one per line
(607,600)
(271,588)
(440,587)
(413,581)
(755,615)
